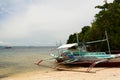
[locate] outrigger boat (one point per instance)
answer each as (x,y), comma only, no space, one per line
(83,58)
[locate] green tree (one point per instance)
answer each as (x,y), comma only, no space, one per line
(108,19)
(72,38)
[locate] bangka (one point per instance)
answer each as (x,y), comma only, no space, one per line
(84,58)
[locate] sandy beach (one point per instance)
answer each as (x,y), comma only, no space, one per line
(74,74)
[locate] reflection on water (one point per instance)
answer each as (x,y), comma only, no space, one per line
(22,59)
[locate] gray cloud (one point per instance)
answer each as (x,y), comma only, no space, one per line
(43,22)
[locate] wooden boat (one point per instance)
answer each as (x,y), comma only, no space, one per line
(84,58)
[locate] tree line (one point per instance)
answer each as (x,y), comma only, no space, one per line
(107,19)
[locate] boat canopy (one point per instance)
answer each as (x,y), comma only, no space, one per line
(67,45)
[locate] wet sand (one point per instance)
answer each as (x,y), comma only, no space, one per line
(72,74)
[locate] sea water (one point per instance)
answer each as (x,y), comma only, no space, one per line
(17,60)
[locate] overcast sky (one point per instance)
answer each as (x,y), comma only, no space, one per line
(43,22)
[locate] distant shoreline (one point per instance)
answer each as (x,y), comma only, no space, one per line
(27,46)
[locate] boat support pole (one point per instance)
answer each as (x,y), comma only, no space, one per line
(108,42)
(78,43)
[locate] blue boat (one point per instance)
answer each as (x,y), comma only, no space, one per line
(84,58)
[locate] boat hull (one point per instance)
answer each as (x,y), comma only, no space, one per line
(111,63)
(102,64)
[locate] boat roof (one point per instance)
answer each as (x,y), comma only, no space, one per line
(67,45)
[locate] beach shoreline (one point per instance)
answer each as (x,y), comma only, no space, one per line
(101,74)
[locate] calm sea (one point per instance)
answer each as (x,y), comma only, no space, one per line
(21,59)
